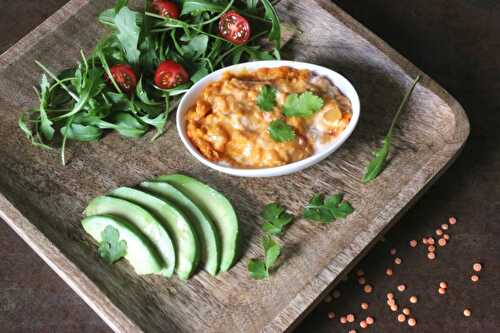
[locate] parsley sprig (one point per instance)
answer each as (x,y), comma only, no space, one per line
(327,209)
(276,218)
(302,105)
(267,98)
(111,249)
(280,131)
(259,269)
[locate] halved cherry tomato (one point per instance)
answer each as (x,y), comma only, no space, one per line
(125,77)
(169,74)
(234,28)
(166,8)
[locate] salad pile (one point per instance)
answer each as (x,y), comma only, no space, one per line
(135,75)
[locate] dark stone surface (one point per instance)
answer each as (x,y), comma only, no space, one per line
(457,42)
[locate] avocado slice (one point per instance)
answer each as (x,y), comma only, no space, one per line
(183,233)
(217,207)
(210,250)
(141,254)
(143,220)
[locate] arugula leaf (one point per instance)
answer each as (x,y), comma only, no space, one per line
(267,98)
(126,125)
(271,14)
(276,218)
(128,33)
(46,126)
(326,210)
(111,249)
(303,105)
(281,131)
(377,164)
(259,269)
(195,7)
(251,4)
(80,132)
(196,47)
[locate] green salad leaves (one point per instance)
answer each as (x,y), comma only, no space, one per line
(115,87)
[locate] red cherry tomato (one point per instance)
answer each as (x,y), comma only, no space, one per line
(166,8)
(234,28)
(125,77)
(169,74)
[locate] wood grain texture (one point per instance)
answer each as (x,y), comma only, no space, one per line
(43,201)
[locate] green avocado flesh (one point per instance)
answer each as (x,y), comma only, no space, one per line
(210,250)
(218,208)
(141,219)
(183,233)
(141,254)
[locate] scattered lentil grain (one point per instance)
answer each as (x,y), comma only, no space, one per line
(474,278)
(406,311)
(389,272)
(363,324)
(392,252)
(368,288)
(402,287)
(431,248)
(401,318)
(431,255)
(343,320)
(352,331)
(452,220)
(390,296)
(443,285)
(331,315)
(370,320)
(430,241)
(398,261)
(362,280)
(442,291)
(442,242)
(467,312)
(413,243)
(477,267)
(350,318)
(439,232)
(364,306)
(412,322)
(446,236)
(394,307)
(413,299)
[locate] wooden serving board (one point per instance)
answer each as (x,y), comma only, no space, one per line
(43,201)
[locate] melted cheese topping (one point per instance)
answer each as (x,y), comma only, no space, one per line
(227,126)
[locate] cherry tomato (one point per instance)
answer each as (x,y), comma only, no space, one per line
(166,8)
(234,28)
(169,74)
(125,77)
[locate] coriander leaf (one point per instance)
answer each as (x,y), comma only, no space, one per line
(276,218)
(257,269)
(111,248)
(267,98)
(376,165)
(281,131)
(326,210)
(272,252)
(303,105)
(128,33)
(271,14)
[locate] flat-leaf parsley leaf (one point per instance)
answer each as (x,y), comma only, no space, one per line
(111,248)
(281,131)
(267,98)
(302,105)
(327,210)
(259,269)
(276,218)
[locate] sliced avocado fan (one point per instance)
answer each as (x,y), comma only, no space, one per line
(144,221)
(210,244)
(217,207)
(183,233)
(141,254)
